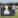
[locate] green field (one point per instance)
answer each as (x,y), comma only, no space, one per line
(16,16)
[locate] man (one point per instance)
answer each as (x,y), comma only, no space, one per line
(10,9)
(2,10)
(13,9)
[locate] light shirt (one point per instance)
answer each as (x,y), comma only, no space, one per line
(14,7)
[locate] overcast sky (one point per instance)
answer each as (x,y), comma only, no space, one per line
(7,1)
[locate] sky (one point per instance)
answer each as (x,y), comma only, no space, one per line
(8,1)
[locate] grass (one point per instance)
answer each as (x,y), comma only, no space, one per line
(16,16)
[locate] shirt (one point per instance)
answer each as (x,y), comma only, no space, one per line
(14,7)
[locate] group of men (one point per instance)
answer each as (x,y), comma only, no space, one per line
(10,11)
